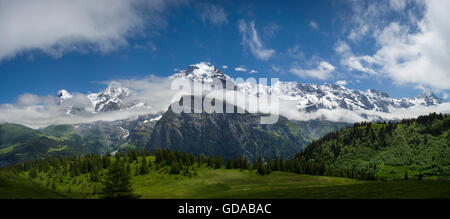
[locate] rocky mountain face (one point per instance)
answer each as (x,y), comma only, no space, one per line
(227,134)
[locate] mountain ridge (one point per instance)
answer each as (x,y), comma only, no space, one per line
(306,98)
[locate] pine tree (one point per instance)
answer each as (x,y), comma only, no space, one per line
(245,164)
(174,168)
(218,162)
(144,167)
(229,164)
(117,183)
(128,169)
(33,173)
(136,171)
(210,161)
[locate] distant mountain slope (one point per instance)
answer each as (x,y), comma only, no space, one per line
(419,146)
(233,134)
(11,134)
(19,143)
(23,144)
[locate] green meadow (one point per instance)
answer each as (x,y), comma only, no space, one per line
(221,183)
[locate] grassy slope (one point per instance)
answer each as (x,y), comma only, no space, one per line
(223,183)
(15,187)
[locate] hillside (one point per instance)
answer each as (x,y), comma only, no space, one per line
(417,146)
(19,143)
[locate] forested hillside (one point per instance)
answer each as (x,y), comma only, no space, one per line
(415,147)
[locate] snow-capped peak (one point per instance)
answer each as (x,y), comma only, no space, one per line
(110,99)
(306,97)
(428,98)
(63,94)
(313,97)
(202,71)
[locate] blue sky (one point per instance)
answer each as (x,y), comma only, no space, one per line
(76,46)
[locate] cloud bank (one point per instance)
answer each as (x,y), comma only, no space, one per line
(56,27)
(322,71)
(41,111)
(414,49)
(155,92)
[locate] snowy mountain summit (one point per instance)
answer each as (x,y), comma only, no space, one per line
(111,99)
(63,95)
(313,97)
(114,98)
(201,72)
(302,98)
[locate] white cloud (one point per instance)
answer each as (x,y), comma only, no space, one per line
(289,110)
(276,68)
(322,71)
(251,40)
(416,52)
(212,13)
(343,48)
(365,17)
(253,71)
(294,52)
(341,82)
(56,27)
(314,25)
(352,62)
(397,4)
(270,30)
(360,64)
(240,68)
(41,111)
(147,45)
(445,95)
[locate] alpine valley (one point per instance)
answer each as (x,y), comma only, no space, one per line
(228,135)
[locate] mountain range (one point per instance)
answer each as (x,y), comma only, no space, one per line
(229,135)
(307,98)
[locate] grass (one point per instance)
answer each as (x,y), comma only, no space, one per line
(224,183)
(280,185)
(16,187)
(61,148)
(7,149)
